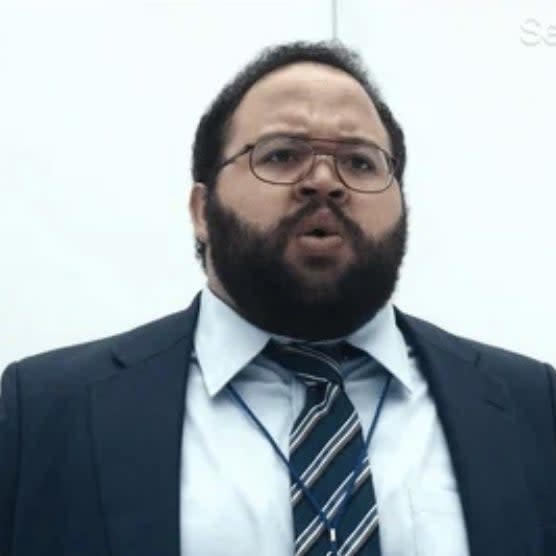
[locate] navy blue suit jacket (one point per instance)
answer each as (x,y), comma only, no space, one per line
(90,443)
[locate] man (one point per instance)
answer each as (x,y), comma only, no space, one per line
(291,409)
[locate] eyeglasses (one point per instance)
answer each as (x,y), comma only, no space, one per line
(284,160)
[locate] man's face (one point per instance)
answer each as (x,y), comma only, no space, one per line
(262,257)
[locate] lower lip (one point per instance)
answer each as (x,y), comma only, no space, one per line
(320,244)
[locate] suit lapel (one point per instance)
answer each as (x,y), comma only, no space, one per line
(137,418)
(482,433)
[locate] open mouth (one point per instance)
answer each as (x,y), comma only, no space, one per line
(320,225)
(320,241)
(319,233)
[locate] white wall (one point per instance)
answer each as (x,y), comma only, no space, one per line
(99,102)
(98,106)
(474,85)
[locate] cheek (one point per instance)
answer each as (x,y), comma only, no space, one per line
(260,204)
(378,213)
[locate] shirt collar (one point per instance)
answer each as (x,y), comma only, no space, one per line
(225,343)
(382,339)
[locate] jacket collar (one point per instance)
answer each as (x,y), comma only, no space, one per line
(155,337)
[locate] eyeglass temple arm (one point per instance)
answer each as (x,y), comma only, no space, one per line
(245,149)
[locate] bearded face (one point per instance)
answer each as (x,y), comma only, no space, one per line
(317,301)
(296,242)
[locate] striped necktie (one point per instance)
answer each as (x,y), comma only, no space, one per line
(326,444)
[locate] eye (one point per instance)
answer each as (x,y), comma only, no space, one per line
(280,156)
(358,163)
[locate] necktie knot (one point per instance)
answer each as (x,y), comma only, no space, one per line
(312,363)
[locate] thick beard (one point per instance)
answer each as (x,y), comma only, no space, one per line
(271,294)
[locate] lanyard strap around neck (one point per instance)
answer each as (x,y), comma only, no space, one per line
(330,525)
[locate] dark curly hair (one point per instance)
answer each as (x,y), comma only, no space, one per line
(214,125)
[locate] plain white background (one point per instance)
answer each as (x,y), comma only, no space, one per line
(99,103)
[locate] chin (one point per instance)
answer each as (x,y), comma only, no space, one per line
(319,266)
(317,285)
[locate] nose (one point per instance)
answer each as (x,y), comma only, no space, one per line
(322,180)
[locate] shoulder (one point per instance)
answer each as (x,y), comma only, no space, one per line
(69,367)
(502,363)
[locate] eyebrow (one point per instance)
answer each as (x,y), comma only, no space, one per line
(306,136)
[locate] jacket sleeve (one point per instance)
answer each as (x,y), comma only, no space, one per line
(9,455)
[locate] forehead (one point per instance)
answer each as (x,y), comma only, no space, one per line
(310,98)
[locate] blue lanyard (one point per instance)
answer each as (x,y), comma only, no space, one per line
(331,526)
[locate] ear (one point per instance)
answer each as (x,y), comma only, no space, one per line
(197,204)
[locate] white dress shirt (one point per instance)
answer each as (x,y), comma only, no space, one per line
(235,490)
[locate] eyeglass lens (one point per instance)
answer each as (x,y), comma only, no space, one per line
(287,160)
